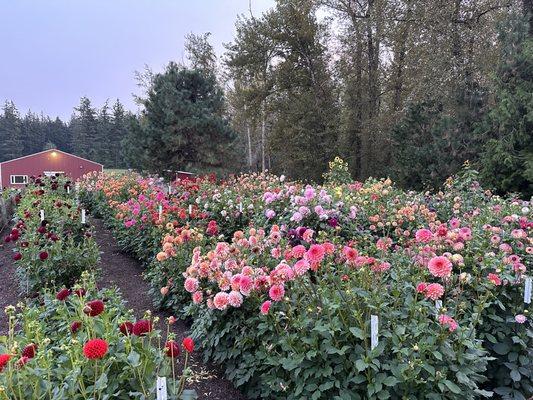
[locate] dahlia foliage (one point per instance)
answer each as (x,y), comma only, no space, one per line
(70,340)
(281,279)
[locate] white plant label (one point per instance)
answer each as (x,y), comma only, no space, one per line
(374,324)
(161,390)
(68,189)
(42,215)
(83,216)
(190,209)
(527,291)
(438,305)
(240,208)
(169,189)
(160,211)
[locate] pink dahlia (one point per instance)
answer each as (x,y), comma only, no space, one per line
(197,297)
(520,318)
(315,254)
(220,301)
(301,267)
(191,285)
(434,291)
(235,299)
(276,292)
(423,235)
(446,320)
(495,279)
(265,307)
(440,266)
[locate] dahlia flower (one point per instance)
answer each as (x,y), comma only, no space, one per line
(95,349)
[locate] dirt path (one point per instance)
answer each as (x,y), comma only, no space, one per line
(119,269)
(9,287)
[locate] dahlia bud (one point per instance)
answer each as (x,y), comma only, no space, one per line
(164,290)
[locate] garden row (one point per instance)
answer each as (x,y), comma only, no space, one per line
(71,339)
(348,290)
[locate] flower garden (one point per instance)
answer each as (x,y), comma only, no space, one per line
(349,290)
(71,339)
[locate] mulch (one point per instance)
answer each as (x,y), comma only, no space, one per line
(121,270)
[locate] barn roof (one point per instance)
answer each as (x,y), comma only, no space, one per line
(49,150)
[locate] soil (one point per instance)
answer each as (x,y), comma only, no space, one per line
(9,288)
(121,270)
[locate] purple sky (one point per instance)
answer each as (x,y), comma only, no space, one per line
(55,51)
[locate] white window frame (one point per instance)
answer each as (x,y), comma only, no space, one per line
(12,179)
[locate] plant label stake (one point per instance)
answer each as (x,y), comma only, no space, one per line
(438,305)
(161,390)
(190,209)
(42,215)
(240,208)
(83,218)
(527,291)
(68,189)
(374,321)
(160,211)
(169,189)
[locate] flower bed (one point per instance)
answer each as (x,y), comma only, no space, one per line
(72,340)
(283,278)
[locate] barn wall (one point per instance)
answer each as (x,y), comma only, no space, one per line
(37,164)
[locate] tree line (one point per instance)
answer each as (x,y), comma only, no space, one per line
(409,89)
(91,133)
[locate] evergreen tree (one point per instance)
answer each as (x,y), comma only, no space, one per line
(181,127)
(32,134)
(118,130)
(507,159)
(11,145)
(84,130)
(102,146)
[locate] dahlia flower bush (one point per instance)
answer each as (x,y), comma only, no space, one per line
(286,276)
(56,250)
(81,343)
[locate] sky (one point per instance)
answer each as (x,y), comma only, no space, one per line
(55,51)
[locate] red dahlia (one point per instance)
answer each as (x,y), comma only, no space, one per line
(188,344)
(126,328)
(95,349)
(142,327)
(80,292)
(63,294)
(94,308)
(17,256)
(30,350)
(172,349)
(7,239)
(4,359)
(43,255)
(75,326)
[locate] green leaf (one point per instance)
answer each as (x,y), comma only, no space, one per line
(357,332)
(360,365)
(452,386)
(134,359)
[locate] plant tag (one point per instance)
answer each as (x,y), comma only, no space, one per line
(42,215)
(438,305)
(160,211)
(169,189)
(161,390)
(190,209)
(83,217)
(68,189)
(240,208)
(527,291)
(374,321)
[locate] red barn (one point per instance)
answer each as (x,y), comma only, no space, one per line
(17,172)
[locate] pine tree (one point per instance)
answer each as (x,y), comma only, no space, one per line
(32,134)
(102,145)
(84,130)
(181,127)
(118,131)
(10,133)
(507,159)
